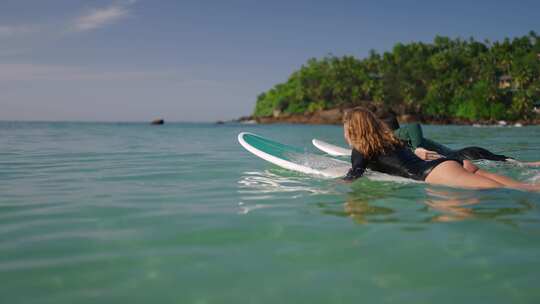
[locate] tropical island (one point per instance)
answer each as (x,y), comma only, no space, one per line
(446,81)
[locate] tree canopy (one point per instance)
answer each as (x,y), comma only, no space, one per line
(448,78)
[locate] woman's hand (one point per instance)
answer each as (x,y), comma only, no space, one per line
(426,154)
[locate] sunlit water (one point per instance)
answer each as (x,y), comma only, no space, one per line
(181,213)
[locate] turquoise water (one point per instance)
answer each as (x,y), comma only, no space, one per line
(180,213)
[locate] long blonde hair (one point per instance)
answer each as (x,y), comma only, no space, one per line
(367,134)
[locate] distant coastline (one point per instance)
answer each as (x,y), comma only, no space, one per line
(334,117)
(448,81)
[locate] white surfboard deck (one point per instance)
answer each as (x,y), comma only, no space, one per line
(293,158)
(330,148)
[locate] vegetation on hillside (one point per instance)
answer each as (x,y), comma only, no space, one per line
(449,78)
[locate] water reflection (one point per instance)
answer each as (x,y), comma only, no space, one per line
(278,188)
(367,201)
(500,204)
(453,205)
(427,204)
(360,210)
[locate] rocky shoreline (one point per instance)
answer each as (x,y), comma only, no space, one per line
(334,117)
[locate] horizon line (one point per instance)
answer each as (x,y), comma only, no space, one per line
(109,121)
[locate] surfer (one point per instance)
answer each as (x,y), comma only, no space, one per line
(428,149)
(376,147)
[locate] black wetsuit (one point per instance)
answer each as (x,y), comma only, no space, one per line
(412,134)
(400,161)
(474,153)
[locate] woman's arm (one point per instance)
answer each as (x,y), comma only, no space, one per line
(431,145)
(359,164)
(416,136)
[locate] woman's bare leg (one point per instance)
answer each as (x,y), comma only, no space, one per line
(532,164)
(501,179)
(507,181)
(524,163)
(451,173)
(469,166)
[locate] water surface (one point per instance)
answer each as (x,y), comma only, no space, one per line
(180,213)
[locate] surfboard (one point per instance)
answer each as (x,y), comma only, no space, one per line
(331,149)
(293,158)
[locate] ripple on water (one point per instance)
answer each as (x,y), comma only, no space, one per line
(180,213)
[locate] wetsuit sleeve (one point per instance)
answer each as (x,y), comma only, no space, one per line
(359,164)
(410,134)
(402,134)
(431,145)
(415,135)
(479,153)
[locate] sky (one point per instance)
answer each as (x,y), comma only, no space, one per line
(137,60)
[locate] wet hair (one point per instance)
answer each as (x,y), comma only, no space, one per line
(389,118)
(368,134)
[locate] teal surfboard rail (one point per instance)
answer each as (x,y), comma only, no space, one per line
(272,147)
(292,158)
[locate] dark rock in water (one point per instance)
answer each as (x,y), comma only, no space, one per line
(220,122)
(158,122)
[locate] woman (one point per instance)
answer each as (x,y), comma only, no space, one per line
(377,148)
(412,135)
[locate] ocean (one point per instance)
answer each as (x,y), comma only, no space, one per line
(181,213)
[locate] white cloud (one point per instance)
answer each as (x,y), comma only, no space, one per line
(98,18)
(16,30)
(91,20)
